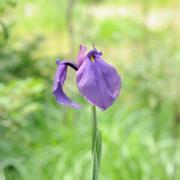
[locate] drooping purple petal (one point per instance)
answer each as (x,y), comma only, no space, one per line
(98,82)
(59,79)
(81,55)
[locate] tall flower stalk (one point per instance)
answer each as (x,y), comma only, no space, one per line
(96,145)
(98,82)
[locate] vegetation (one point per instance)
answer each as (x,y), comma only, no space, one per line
(43,140)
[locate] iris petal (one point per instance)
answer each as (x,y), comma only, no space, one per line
(81,55)
(59,79)
(98,82)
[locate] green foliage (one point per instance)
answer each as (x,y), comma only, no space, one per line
(112,30)
(45,141)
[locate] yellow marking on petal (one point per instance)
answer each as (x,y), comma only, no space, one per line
(92,58)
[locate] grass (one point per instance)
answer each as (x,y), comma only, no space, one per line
(55,143)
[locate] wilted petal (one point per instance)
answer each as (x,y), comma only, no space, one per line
(81,55)
(98,82)
(59,79)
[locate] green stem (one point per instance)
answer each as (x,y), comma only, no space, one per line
(94,127)
(96,145)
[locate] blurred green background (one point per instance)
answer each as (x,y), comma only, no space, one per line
(42,140)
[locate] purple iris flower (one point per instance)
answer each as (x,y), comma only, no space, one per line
(97,81)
